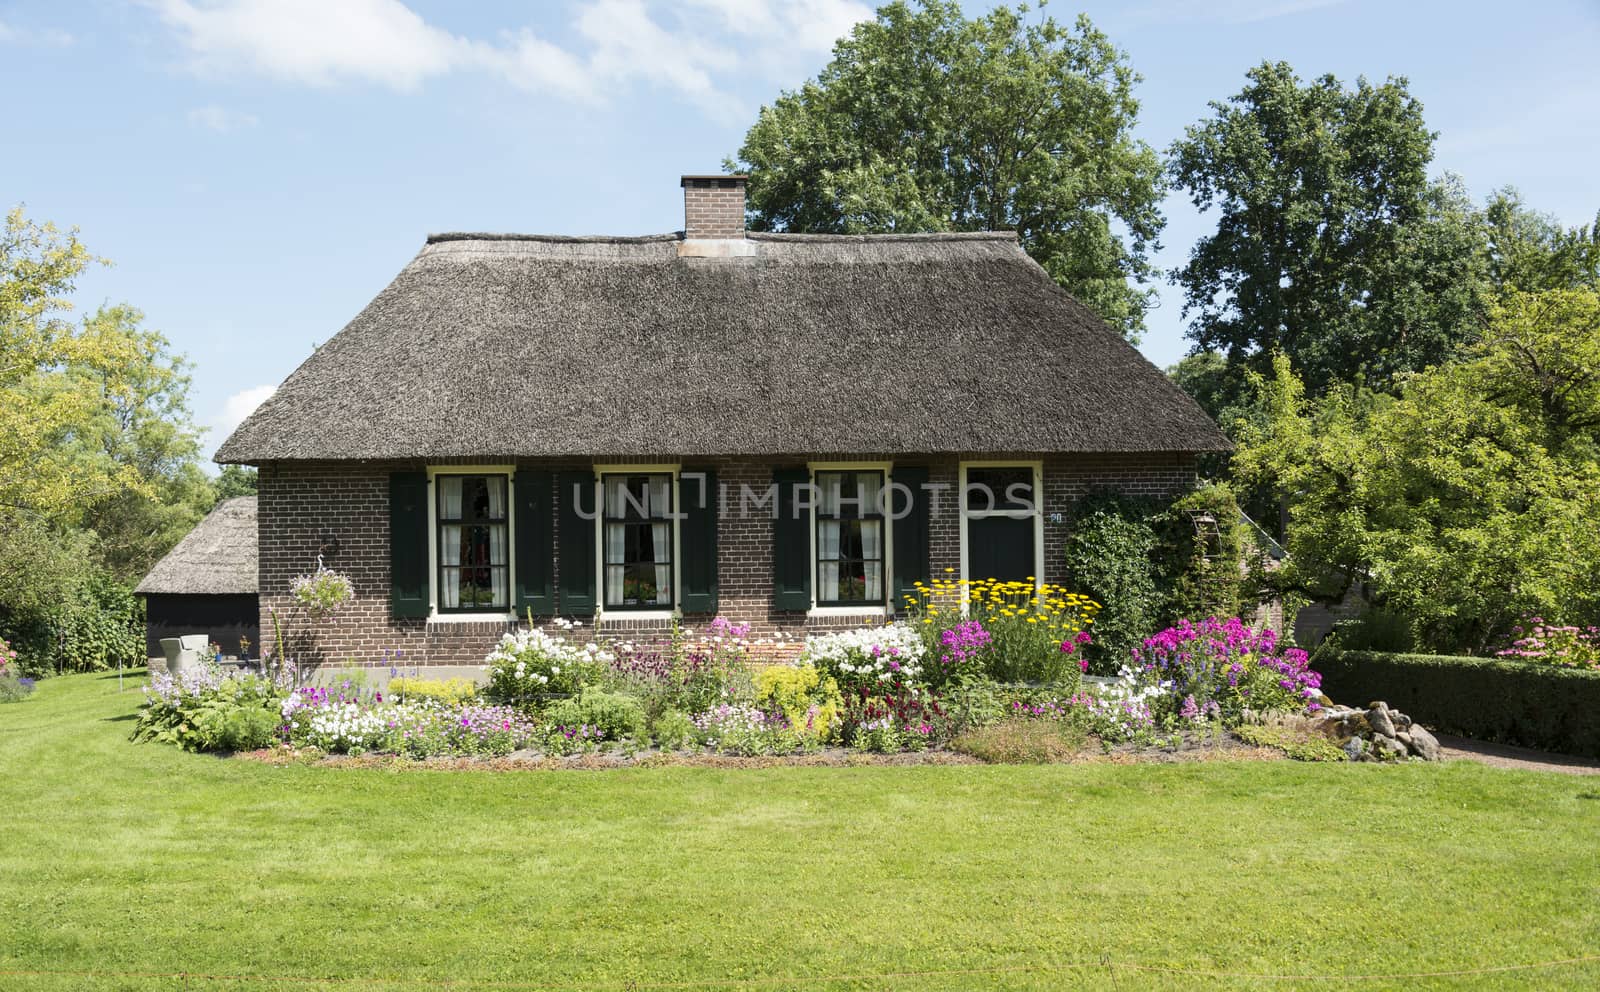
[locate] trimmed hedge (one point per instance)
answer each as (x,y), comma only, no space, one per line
(1512,702)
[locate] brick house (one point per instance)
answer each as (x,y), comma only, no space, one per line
(785,429)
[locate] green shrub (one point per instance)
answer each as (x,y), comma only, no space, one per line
(672,729)
(238,728)
(1512,702)
(207,710)
(973,702)
(451,692)
(1149,563)
(612,714)
(1376,629)
(809,700)
(1021,741)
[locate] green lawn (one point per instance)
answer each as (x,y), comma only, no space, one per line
(126,858)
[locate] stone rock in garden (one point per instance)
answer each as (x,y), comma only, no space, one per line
(1355,749)
(1423,744)
(1378,719)
(1389,749)
(1404,738)
(1401,721)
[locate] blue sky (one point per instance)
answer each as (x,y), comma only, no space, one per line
(259,169)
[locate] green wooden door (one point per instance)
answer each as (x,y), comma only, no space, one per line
(1000,547)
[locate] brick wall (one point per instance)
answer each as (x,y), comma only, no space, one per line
(341,509)
(713,206)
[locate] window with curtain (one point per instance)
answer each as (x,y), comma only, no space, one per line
(849,539)
(474,569)
(638,534)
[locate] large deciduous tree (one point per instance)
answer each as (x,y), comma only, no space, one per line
(99,470)
(926,120)
(1332,246)
(1468,500)
(1533,251)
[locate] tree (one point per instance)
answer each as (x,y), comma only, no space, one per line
(99,471)
(1531,251)
(1469,500)
(928,121)
(235,480)
(1332,247)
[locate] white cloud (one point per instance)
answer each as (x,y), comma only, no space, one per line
(809,25)
(617,43)
(239,406)
(221,119)
(315,42)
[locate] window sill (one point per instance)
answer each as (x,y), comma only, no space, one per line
(848,611)
(472,618)
(623,616)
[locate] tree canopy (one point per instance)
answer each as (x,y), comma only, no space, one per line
(99,460)
(1470,499)
(926,120)
(1332,246)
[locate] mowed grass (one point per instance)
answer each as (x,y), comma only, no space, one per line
(132,862)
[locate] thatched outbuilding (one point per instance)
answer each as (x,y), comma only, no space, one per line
(703,422)
(207,583)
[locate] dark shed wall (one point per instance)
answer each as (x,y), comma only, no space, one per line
(222,618)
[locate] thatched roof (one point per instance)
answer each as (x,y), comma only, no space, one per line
(490,345)
(218,557)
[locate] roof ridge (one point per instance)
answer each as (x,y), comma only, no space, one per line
(642,239)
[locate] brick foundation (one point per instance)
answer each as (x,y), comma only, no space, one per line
(341,509)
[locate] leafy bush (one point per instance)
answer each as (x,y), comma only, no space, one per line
(672,730)
(972,702)
(1376,629)
(451,692)
(1150,564)
(613,715)
(530,667)
(1566,645)
(94,626)
(206,710)
(810,702)
(1022,741)
(1512,702)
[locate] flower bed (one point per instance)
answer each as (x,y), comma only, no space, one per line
(894,688)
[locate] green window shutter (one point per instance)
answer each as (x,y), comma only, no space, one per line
(791,544)
(577,542)
(910,535)
(534,520)
(408,545)
(697,540)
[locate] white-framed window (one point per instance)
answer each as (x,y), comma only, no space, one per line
(850,538)
(638,540)
(470,565)
(1002,520)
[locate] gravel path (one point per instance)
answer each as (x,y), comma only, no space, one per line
(1506,756)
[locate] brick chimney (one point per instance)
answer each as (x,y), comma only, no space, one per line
(713,207)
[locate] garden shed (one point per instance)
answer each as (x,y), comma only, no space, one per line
(207,583)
